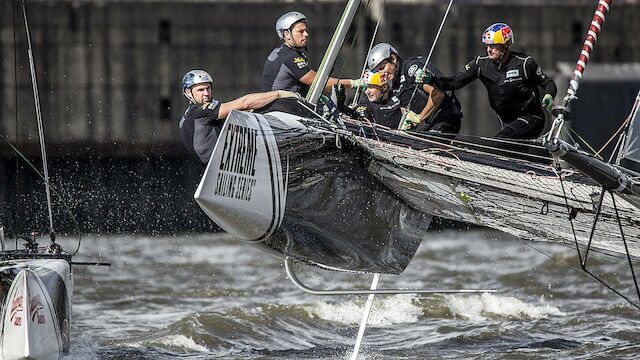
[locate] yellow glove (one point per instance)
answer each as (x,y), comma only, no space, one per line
(284,94)
(547,102)
(410,121)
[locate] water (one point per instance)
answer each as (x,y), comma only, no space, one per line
(208,296)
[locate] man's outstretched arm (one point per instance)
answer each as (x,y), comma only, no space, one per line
(253,101)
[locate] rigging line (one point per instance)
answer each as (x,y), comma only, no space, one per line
(624,240)
(36,99)
(583,263)
(64,203)
(15,83)
(622,141)
(373,39)
(353,41)
(584,272)
(528,143)
(433,45)
(573,230)
(586,143)
(503,152)
(624,124)
(593,227)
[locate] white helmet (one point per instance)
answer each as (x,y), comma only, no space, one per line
(286,21)
(378,53)
(195,77)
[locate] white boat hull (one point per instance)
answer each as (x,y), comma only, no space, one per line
(36,309)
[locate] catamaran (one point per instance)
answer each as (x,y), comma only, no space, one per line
(36,282)
(345,195)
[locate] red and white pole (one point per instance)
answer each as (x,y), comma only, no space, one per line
(587,48)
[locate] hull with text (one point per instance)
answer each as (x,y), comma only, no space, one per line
(292,189)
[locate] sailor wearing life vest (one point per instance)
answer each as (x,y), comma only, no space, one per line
(202,121)
(431,109)
(512,80)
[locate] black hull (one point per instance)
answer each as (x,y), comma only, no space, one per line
(337,215)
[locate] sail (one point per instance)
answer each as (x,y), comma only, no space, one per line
(630,158)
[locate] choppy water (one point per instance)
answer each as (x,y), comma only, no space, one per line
(207,296)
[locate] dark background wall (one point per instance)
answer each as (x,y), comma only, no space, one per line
(109,75)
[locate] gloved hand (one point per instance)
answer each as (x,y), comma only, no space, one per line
(357,83)
(423,76)
(284,94)
(409,121)
(323,99)
(547,102)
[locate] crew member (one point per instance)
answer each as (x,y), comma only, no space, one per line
(287,67)
(202,121)
(380,105)
(512,80)
(431,109)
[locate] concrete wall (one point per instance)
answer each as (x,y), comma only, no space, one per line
(109,72)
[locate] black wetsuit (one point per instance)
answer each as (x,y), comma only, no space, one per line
(200,128)
(448,115)
(385,112)
(283,70)
(513,91)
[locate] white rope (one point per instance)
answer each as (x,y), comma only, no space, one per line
(373,39)
(433,45)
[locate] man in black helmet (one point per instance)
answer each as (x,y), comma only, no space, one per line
(287,67)
(429,108)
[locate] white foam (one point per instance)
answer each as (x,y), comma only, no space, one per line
(479,307)
(174,341)
(384,312)
(181,341)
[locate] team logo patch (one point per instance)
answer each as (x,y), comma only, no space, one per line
(412,70)
(467,67)
(301,62)
(538,71)
(513,73)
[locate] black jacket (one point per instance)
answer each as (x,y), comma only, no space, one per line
(449,107)
(199,129)
(512,86)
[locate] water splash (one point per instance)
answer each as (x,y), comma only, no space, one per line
(180,341)
(481,307)
(385,311)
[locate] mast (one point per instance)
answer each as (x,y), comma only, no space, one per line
(36,99)
(332,51)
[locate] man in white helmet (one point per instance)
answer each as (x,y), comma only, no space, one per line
(429,108)
(287,67)
(204,117)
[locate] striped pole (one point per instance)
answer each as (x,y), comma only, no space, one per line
(587,48)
